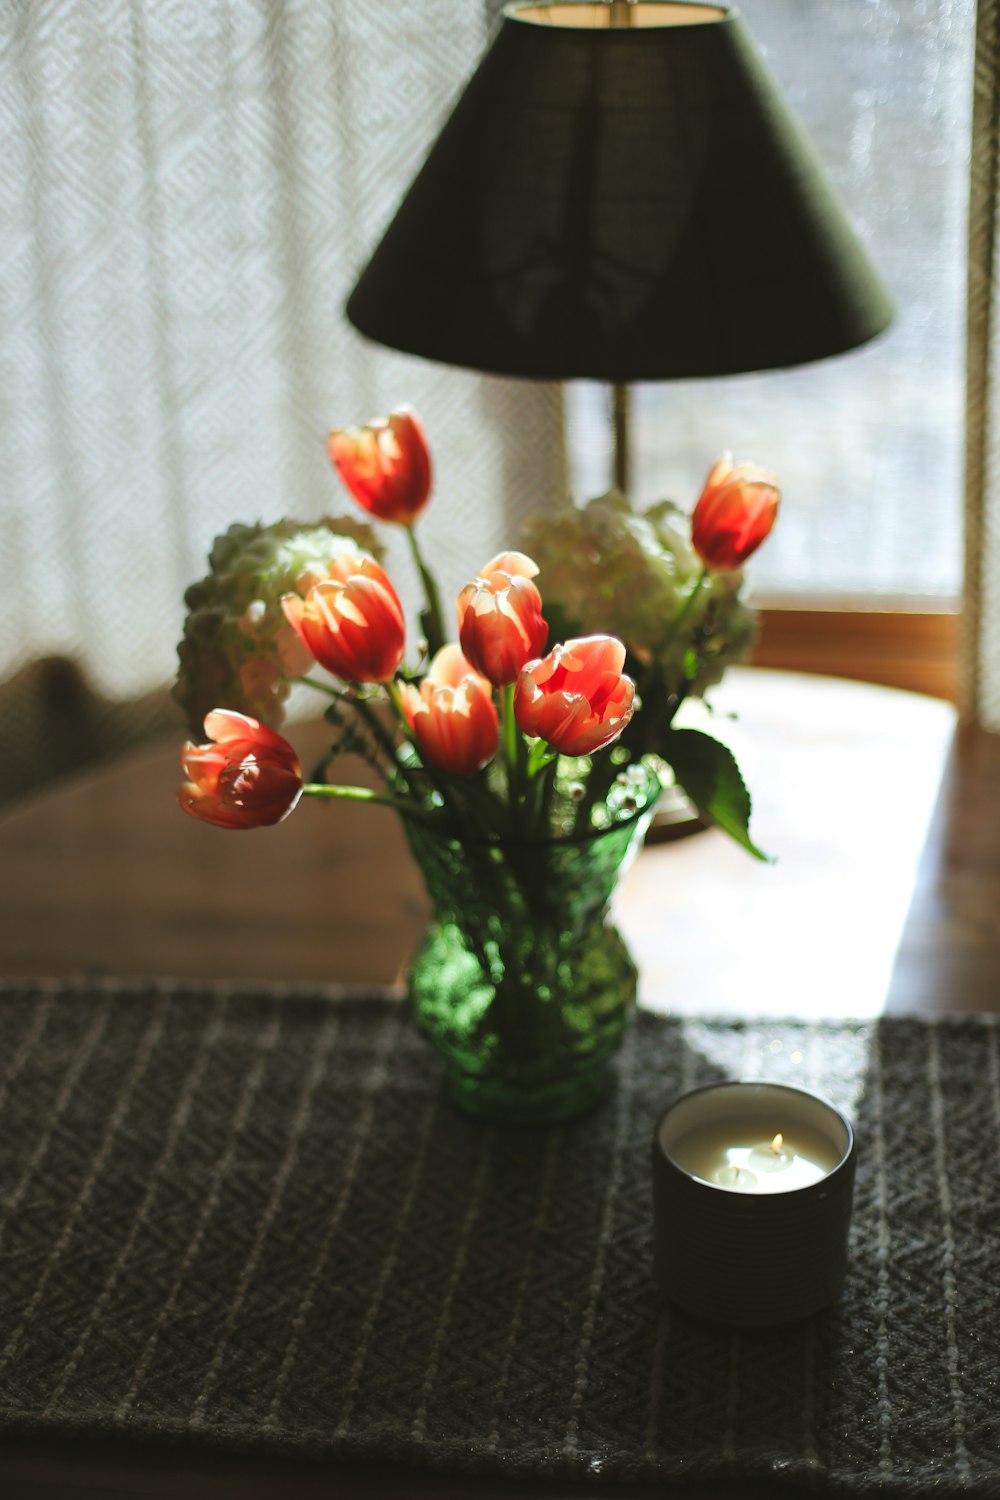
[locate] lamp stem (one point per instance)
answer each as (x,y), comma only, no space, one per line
(620,455)
(621,12)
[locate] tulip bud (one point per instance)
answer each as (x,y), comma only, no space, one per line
(386,465)
(577,698)
(249,778)
(735,512)
(352,622)
(500,621)
(452,715)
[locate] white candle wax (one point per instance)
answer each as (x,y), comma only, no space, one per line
(751,1153)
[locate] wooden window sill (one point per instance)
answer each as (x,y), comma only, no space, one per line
(897,648)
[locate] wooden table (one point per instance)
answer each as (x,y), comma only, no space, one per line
(884,821)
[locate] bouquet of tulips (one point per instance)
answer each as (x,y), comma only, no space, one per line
(538,721)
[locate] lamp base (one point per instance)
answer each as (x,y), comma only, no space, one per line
(675,818)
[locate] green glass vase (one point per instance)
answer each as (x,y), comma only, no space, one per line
(522,983)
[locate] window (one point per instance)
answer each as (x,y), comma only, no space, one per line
(868,446)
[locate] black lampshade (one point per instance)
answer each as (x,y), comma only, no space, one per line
(620,203)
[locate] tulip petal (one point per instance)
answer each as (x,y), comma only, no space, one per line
(248,778)
(734,514)
(353,626)
(454,723)
(385,465)
(576,698)
(500,620)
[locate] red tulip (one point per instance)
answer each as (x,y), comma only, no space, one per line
(452,715)
(351,622)
(249,778)
(500,622)
(577,698)
(735,512)
(386,465)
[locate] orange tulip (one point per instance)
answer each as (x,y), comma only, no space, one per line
(577,698)
(249,778)
(735,512)
(386,465)
(452,715)
(351,622)
(500,622)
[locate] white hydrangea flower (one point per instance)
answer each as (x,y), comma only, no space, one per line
(605,567)
(238,650)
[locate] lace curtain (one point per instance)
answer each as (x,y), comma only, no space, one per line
(187,192)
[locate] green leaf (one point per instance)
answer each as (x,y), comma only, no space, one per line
(540,756)
(707,772)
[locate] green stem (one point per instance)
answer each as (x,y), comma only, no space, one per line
(370,720)
(540,756)
(548,776)
(538,774)
(375,727)
(682,613)
(396,698)
(401,805)
(508,725)
(431,616)
(322,687)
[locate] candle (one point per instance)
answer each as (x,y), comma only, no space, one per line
(752,1187)
(731,1153)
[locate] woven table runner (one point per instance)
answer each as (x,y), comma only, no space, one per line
(248,1218)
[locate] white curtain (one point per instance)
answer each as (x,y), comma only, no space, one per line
(981,612)
(187,193)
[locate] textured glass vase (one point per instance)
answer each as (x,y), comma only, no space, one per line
(522,982)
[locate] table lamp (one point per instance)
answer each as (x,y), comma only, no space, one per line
(620,194)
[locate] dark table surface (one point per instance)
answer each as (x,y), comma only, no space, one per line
(884,819)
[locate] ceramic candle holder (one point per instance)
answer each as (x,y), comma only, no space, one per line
(752,1187)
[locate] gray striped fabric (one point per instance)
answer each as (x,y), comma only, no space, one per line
(247,1217)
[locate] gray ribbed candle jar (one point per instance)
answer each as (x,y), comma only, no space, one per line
(748,1259)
